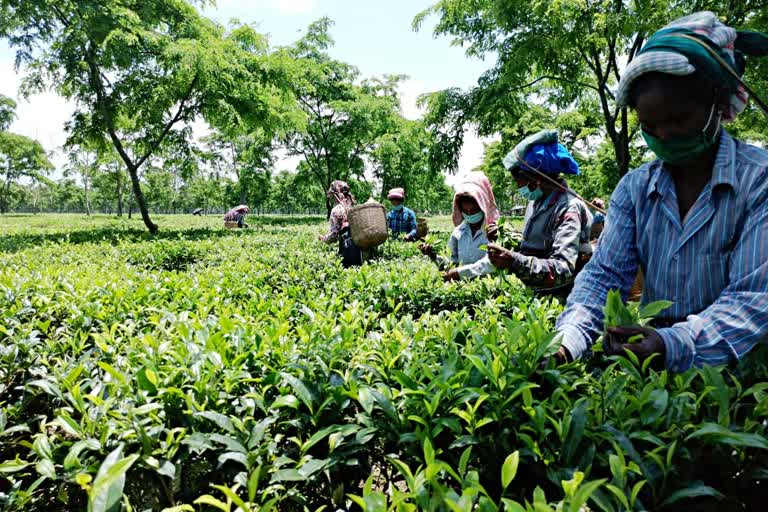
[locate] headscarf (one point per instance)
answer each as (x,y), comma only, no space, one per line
(542,152)
(671,51)
(339,190)
(476,186)
(396,193)
(237,210)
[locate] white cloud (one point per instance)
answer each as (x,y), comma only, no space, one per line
(41,117)
(471,154)
(285,162)
(410,90)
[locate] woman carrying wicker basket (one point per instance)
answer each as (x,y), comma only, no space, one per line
(338,226)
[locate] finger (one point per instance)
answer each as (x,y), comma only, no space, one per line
(629,331)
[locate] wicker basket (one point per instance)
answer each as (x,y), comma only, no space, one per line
(368,225)
(421,228)
(230,224)
(636,293)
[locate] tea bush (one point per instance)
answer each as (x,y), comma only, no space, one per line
(209,369)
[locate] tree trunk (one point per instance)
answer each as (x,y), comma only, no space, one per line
(328,207)
(130,202)
(87,200)
(119,181)
(142,204)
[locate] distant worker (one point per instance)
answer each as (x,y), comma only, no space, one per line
(598,219)
(557,224)
(401,220)
(338,225)
(237,214)
(475,216)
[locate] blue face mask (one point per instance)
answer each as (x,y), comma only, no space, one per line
(531,195)
(397,208)
(473,219)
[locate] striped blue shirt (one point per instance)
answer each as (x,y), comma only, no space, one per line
(713,264)
(403,221)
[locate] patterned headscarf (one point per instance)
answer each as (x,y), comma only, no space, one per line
(476,186)
(678,49)
(339,190)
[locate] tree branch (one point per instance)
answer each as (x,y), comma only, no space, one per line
(101,103)
(170,123)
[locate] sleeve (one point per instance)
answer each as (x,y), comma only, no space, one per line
(559,267)
(738,320)
(335,223)
(612,267)
(412,225)
(481,267)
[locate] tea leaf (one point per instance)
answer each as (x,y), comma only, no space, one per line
(509,469)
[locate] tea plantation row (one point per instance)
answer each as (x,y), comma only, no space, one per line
(245,370)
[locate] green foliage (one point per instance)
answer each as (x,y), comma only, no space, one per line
(141,72)
(7,112)
(210,369)
(617,314)
(20,157)
(562,61)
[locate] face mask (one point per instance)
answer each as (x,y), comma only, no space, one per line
(473,219)
(531,195)
(398,208)
(681,150)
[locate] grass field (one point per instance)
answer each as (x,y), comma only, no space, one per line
(209,369)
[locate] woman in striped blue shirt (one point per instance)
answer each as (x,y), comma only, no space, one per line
(695,221)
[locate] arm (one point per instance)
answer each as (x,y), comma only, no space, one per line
(412,225)
(334,225)
(559,267)
(738,320)
(612,267)
(481,267)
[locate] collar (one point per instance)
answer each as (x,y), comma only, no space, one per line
(724,172)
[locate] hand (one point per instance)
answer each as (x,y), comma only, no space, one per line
(500,257)
(408,238)
(451,275)
(427,250)
(492,232)
(616,342)
(562,356)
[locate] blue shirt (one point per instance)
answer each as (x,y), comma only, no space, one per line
(713,264)
(403,221)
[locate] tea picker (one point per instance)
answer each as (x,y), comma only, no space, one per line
(695,220)
(357,229)
(557,221)
(235,218)
(401,220)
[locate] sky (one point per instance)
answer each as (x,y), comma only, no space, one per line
(375,36)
